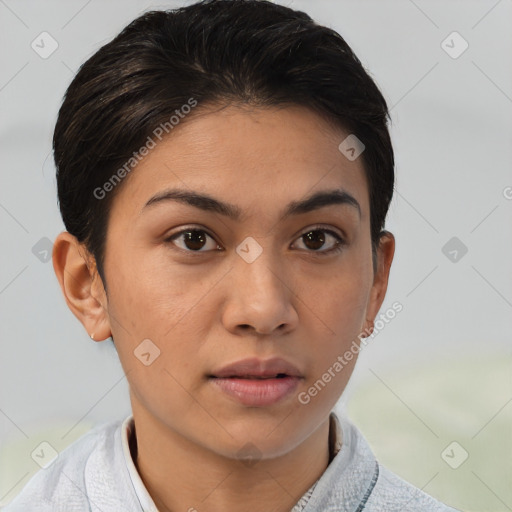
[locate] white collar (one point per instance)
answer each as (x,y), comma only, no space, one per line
(146,502)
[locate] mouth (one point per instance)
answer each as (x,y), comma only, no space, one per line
(257,383)
(257,377)
(257,369)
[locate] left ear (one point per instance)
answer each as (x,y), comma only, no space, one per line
(385,253)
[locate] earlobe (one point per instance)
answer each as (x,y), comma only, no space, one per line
(367,329)
(77,275)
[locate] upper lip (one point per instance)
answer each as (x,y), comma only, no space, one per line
(258,368)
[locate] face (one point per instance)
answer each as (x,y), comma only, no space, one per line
(254,269)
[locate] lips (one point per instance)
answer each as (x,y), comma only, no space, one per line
(257,383)
(258,369)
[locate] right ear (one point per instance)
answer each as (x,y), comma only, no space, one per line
(81,285)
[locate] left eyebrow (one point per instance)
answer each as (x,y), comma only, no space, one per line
(208,203)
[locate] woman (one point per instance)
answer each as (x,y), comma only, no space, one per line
(224,172)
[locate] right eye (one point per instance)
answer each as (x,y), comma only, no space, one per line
(193,240)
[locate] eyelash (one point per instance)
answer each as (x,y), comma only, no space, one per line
(338,247)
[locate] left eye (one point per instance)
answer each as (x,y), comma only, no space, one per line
(315,239)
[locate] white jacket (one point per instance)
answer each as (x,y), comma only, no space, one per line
(96,473)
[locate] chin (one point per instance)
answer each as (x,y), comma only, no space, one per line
(264,439)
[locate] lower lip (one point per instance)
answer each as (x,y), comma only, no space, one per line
(257,392)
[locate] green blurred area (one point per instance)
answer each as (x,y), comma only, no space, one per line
(16,464)
(410,417)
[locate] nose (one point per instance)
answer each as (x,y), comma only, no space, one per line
(260,297)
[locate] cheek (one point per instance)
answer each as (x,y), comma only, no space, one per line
(164,305)
(147,296)
(342,311)
(339,299)
(337,311)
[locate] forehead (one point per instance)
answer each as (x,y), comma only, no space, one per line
(249,157)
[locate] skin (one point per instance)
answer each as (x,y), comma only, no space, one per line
(207,309)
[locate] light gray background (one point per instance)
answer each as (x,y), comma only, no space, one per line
(446,356)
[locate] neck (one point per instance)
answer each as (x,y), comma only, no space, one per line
(182,476)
